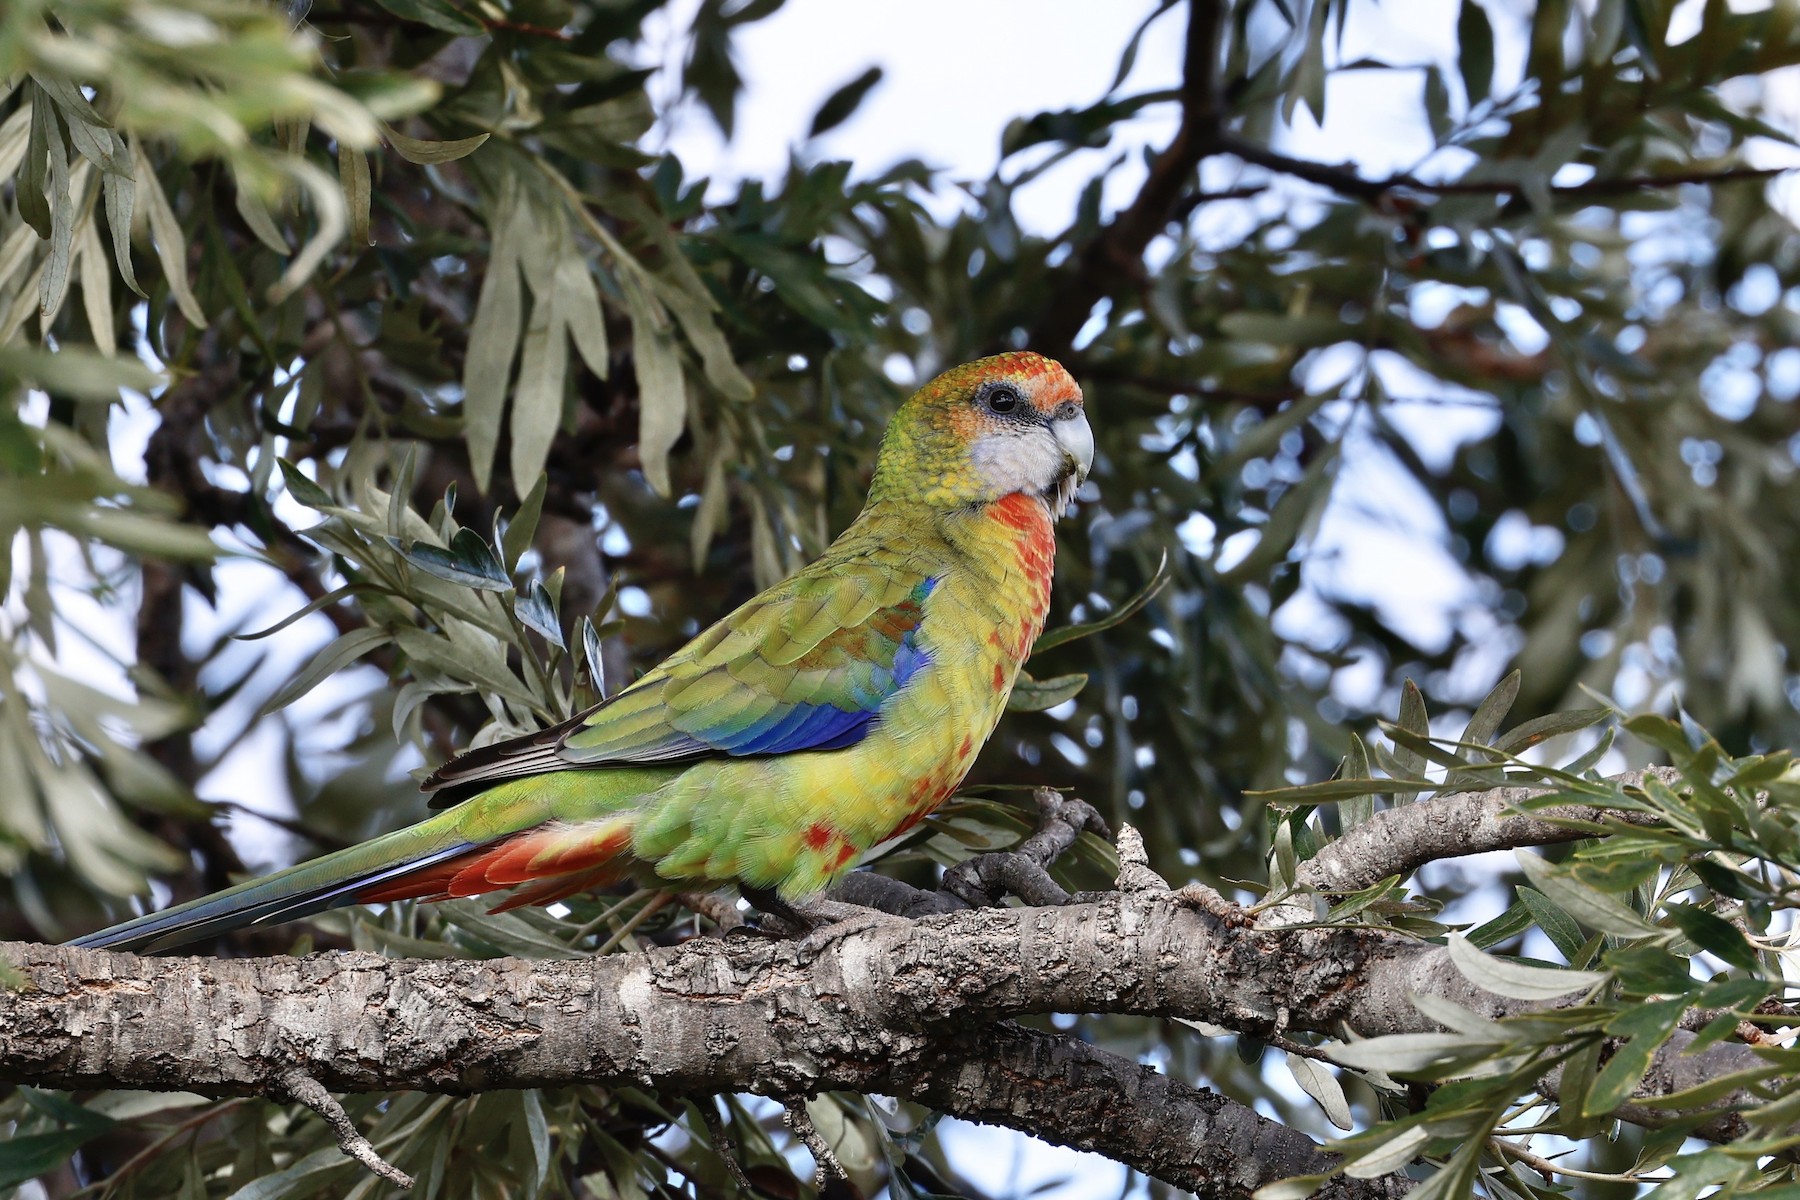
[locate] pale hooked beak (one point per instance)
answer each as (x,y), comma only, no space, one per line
(1075,436)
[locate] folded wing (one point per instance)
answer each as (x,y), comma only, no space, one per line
(806,665)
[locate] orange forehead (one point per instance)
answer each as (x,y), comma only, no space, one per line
(1043,380)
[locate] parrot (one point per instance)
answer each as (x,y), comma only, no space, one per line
(821,718)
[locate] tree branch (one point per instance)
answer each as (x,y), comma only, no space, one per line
(1346,180)
(705,1017)
(874,1011)
(1398,841)
(1118,251)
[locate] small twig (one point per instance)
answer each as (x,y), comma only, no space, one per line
(286,824)
(1398,841)
(131,1165)
(721,1140)
(717,909)
(611,911)
(300,1086)
(1547,1168)
(1209,900)
(1135,874)
(655,904)
(826,1164)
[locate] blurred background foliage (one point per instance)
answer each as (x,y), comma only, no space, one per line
(417,266)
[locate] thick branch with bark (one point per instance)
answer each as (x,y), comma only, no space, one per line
(905,1008)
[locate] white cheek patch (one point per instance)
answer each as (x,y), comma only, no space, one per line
(1029,460)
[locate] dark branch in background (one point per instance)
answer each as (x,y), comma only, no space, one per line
(172,461)
(1115,255)
(377,18)
(1346,180)
(1117,252)
(1197,1139)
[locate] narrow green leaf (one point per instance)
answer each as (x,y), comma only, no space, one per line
(257,217)
(1323,1087)
(303,489)
(506,932)
(662,398)
(1035,695)
(578,303)
(1297,1187)
(32,192)
(1389,1155)
(1508,925)
(90,133)
(334,596)
(523,527)
(839,106)
(493,342)
(359,191)
(306,1177)
(1619,1076)
(1485,722)
(533,607)
(1556,924)
(438,14)
(1515,979)
(1541,729)
(1406,1053)
(468,561)
(54,281)
(1592,908)
(537,402)
(1475,51)
(96,286)
(398,498)
(1413,719)
(165,231)
(596,661)
(119,193)
(430,153)
(1714,934)
(340,653)
(24,1158)
(1357,810)
(1159,579)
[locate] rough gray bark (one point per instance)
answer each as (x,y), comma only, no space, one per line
(901,1007)
(709,1016)
(1398,841)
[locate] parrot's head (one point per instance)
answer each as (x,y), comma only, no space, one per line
(987,430)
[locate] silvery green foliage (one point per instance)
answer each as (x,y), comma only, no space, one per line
(426,305)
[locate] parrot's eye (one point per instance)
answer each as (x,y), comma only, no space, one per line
(1003,399)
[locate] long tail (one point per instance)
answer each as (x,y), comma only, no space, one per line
(509,836)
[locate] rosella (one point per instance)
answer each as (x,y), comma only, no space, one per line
(821,718)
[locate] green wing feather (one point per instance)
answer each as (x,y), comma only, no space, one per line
(805,665)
